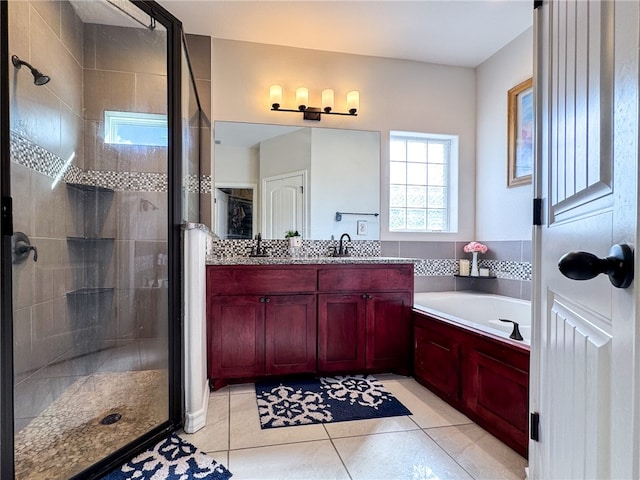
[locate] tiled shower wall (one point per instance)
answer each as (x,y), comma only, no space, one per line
(92,69)
(50,36)
(509,261)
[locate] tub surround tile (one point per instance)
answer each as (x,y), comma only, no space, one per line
(506,251)
(427,250)
(399,455)
(479,453)
(390,249)
(527,251)
(309,460)
(444,283)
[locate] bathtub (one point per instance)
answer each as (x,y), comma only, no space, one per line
(479,311)
(463,354)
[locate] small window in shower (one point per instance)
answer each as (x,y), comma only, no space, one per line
(133,128)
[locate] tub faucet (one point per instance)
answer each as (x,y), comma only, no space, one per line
(515,334)
(343,251)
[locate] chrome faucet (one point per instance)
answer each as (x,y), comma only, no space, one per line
(342,251)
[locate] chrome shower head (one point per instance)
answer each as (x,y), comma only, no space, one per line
(38,77)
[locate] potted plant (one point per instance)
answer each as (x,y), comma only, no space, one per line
(295,240)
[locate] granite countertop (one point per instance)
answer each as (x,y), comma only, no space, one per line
(306,261)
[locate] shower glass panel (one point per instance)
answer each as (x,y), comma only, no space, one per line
(89,181)
(191,127)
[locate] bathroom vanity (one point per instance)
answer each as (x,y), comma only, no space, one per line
(308,316)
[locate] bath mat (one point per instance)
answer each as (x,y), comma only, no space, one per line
(171,459)
(325,400)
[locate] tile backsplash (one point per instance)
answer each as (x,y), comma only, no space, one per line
(436,263)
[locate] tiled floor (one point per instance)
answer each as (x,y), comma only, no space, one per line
(435,442)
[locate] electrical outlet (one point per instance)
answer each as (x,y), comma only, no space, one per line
(362,227)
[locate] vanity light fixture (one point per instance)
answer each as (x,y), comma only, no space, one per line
(314,113)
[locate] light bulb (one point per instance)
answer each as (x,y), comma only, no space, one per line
(275,96)
(302,98)
(327,100)
(353,102)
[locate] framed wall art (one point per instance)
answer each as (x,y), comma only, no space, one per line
(520,134)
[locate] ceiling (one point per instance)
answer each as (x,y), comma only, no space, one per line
(451,32)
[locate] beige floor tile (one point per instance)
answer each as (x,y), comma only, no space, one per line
(245,428)
(242,388)
(215,434)
(222,392)
(480,453)
(427,409)
(399,455)
(370,426)
(220,457)
(307,460)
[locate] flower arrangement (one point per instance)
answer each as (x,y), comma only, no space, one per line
(472,247)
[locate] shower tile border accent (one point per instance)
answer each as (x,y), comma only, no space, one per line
(31,155)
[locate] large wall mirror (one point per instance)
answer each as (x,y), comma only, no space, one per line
(271,179)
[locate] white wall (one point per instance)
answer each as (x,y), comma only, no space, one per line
(342,180)
(394,95)
(242,166)
(501,213)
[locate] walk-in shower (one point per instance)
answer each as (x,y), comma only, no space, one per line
(93,153)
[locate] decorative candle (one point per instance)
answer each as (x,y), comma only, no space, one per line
(464,268)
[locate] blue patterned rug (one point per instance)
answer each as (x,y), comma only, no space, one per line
(171,459)
(324,400)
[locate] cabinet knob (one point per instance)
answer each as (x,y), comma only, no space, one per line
(363,296)
(266,299)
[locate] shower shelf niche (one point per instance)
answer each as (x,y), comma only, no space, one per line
(90,291)
(90,239)
(89,188)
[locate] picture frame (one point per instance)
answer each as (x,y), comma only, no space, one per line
(520,134)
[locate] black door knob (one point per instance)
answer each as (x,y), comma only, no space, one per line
(618,265)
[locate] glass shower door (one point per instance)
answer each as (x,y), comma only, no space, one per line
(94,243)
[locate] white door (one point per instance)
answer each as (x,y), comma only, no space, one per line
(221,203)
(584,378)
(283,204)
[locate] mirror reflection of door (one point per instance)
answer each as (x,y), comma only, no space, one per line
(283,208)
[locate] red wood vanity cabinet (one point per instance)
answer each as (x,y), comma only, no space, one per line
(286,319)
(364,318)
(260,321)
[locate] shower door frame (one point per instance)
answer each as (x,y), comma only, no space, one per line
(174,313)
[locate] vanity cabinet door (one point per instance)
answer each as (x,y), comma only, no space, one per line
(236,336)
(388,332)
(341,333)
(290,334)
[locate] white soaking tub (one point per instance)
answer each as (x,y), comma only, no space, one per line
(479,311)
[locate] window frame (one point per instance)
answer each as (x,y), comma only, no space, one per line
(113,119)
(451,181)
